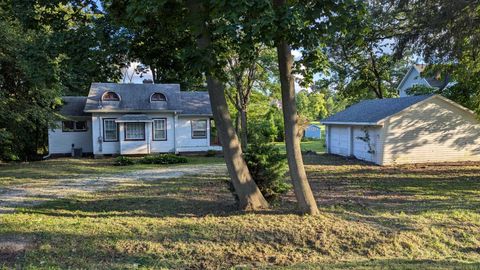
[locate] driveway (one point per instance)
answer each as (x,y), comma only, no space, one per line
(35,193)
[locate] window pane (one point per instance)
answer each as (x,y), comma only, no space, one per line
(110,130)
(159,129)
(199,134)
(81,125)
(158,97)
(134,131)
(199,128)
(67,126)
(199,125)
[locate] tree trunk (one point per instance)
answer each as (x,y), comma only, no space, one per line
(250,197)
(243,128)
(302,189)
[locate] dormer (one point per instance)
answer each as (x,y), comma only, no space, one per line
(158,97)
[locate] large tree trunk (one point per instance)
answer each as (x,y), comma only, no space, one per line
(302,189)
(250,197)
(243,128)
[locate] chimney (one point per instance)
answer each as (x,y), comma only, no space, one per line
(148,81)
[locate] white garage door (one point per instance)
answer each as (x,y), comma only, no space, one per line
(339,140)
(361,148)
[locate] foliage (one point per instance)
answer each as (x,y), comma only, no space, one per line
(268,168)
(446,34)
(312,106)
(363,64)
(267,127)
(123,161)
(418,90)
(163,159)
(48,49)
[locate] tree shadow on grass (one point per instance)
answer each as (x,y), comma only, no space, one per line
(180,197)
(397,264)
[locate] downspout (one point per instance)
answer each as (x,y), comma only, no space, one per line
(99,139)
(147,127)
(175,132)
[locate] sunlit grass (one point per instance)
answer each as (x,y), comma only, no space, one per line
(407,217)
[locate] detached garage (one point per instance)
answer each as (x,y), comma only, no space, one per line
(417,129)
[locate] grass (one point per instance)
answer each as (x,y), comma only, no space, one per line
(406,217)
(317,146)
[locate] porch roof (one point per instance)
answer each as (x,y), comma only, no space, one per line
(133,118)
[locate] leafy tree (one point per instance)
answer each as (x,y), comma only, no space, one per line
(210,35)
(49,49)
(447,34)
(312,106)
(245,75)
(363,58)
(305,25)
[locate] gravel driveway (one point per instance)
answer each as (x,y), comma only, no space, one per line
(31,194)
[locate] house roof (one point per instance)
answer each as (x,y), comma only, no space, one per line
(73,106)
(370,112)
(136,98)
(431,81)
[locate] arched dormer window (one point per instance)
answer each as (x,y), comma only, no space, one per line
(158,97)
(110,96)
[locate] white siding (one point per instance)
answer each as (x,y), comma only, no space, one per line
(413,78)
(179,138)
(366,149)
(432,131)
(60,142)
(135,147)
(99,146)
(339,140)
(185,142)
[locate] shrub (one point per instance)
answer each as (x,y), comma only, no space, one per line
(267,167)
(163,159)
(123,161)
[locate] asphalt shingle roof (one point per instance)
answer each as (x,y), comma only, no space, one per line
(374,110)
(73,106)
(136,98)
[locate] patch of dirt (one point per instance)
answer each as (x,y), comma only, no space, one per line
(33,194)
(11,247)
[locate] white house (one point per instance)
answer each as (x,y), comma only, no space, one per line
(313,132)
(416,129)
(124,119)
(414,77)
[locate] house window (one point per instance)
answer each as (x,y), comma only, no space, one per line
(134,131)
(160,129)
(158,97)
(74,126)
(199,129)
(110,96)
(110,130)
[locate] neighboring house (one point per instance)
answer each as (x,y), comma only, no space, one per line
(313,132)
(123,119)
(415,129)
(414,77)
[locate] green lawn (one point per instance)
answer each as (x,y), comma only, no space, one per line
(317,146)
(406,217)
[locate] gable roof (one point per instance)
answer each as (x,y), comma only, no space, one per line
(370,112)
(431,81)
(136,98)
(73,106)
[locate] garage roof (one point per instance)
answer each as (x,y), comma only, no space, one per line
(370,112)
